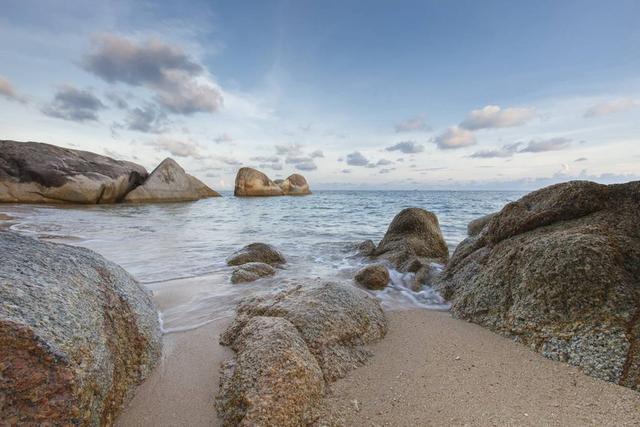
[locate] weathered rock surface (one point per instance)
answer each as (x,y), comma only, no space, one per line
(559,270)
(77,333)
(32,172)
(373,277)
(365,248)
(257,252)
(295,185)
(170,183)
(251,272)
(277,382)
(475,227)
(274,379)
(250,182)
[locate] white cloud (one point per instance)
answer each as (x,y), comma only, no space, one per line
(407,147)
(412,124)
(492,116)
(453,138)
(610,107)
(357,159)
(179,148)
(542,145)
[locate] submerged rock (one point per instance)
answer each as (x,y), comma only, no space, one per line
(77,333)
(32,172)
(559,270)
(475,227)
(170,183)
(257,252)
(250,182)
(373,277)
(295,185)
(251,272)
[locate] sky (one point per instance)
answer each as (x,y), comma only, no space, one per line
(444,95)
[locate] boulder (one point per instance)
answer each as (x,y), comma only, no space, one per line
(475,227)
(373,277)
(250,182)
(32,172)
(77,333)
(559,271)
(365,248)
(295,185)
(170,183)
(257,252)
(251,272)
(274,379)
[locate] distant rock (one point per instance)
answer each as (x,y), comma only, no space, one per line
(250,183)
(170,183)
(32,172)
(475,227)
(374,277)
(251,272)
(295,185)
(257,252)
(559,271)
(77,334)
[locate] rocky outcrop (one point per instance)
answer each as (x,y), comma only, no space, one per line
(257,252)
(251,183)
(170,183)
(273,335)
(475,227)
(251,272)
(77,333)
(295,185)
(559,270)
(32,172)
(373,277)
(365,248)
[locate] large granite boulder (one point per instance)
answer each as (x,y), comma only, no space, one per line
(277,381)
(559,270)
(251,271)
(295,185)
(257,252)
(170,183)
(475,227)
(251,182)
(77,333)
(32,172)
(373,277)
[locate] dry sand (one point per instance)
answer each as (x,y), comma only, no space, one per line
(431,369)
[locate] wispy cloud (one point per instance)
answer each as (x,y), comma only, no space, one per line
(9,92)
(533,146)
(71,103)
(454,138)
(412,124)
(179,148)
(610,107)
(407,147)
(492,116)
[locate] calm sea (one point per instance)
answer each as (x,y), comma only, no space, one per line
(178,250)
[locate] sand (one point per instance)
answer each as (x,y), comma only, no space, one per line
(431,369)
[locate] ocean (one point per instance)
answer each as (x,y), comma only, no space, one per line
(178,251)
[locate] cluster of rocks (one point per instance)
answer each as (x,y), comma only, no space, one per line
(253,183)
(255,261)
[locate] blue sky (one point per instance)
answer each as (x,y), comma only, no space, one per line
(367,94)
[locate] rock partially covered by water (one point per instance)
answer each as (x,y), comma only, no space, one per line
(274,379)
(251,272)
(170,183)
(475,227)
(32,172)
(77,333)
(251,182)
(257,252)
(365,248)
(559,270)
(374,277)
(295,185)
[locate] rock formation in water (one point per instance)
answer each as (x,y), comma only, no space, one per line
(365,248)
(32,172)
(288,345)
(250,182)
(251,271)
(170,183)
(257,252)
(559,271)
(475,227)
(373,276)
(295,185)
(77,333)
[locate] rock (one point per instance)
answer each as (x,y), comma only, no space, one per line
(413,233)
(335,321)
(77,333)
(251,271)
(32,172)
(365,248)
(559,271)
(257,252)
(373,277)
(274,379)
(170,183)
(250,182)
(475,227)
(295,185)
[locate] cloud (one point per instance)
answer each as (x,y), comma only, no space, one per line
(453,138)
(542,145)
(70,103)
(177,147)
(407,147)
(9,92)
(384,162)
(610,107)
(386,170)
(412,124)
(492,116)
(275,166)
(146,119)
(289,150)
(581,159)
(266,159)
(306,166)
(317,154)
(224,137)
(346,171)
(179,82)
(505,151)
(357,159)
